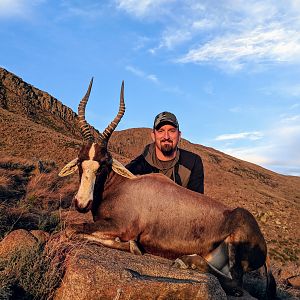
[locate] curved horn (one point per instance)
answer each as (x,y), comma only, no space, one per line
(84,126)
(111,127)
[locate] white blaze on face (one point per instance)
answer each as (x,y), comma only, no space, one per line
(88,178)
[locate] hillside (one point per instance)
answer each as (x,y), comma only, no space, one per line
(37,127)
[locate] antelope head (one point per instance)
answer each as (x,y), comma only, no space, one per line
(93,157)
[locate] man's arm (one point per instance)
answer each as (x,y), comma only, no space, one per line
(196,182)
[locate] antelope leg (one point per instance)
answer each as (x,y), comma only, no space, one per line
(108,238)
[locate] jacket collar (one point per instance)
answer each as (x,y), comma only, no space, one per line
(150,157)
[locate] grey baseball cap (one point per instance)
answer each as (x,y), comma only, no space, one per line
(163,118)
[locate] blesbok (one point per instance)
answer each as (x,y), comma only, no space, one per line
(152,213)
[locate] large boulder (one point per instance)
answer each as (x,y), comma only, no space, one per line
(16,241)
(95,272)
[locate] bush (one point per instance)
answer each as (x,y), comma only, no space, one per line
(33,273)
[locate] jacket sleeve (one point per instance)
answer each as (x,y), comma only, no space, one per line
(196,182)
(137,166)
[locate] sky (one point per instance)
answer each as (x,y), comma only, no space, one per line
(229,70)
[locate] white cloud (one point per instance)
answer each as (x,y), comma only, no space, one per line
(251,154)
(255,135)
(283,89)
(278,150)
(89,10)
(141,8)
(260,45)
(142,74)
(17,8)
(203,24)
(229,34)
(289,118)
(169,40)
(152,77)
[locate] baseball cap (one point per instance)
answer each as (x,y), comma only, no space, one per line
(163,118)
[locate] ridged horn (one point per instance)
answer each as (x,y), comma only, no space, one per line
(112,126)
(84,126)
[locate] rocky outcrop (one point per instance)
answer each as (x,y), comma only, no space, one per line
(17,240)
(20,97)
(76,269)
(96,272)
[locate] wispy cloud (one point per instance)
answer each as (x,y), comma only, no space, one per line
(278,149)
(283,89)
(142,8)
(261,45)
(294,106)
(235,109)
(171,40)
(289,118)
(90,10)
(151,77)
(142,74)
(17,8)
(229,34)
(255,135)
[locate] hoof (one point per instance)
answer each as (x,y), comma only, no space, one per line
(134,249)
(236,292)
(178,263)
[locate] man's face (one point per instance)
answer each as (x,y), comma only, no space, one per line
(166,139)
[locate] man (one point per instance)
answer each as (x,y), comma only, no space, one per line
(164,156)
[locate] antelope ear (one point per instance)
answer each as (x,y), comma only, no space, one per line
(69,168)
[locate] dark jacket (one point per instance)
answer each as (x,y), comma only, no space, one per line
(187,168)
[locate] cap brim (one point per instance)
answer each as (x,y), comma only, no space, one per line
(166,122)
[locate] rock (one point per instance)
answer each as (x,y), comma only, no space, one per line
(95,272)
(22,98)
(17,240)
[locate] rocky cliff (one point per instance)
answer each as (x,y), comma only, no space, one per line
(19,97)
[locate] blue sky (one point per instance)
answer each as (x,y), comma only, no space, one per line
(229,70)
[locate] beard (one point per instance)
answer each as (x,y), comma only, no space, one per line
(167,149)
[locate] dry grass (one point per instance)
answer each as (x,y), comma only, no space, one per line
(31,199)
(4,180)
(48,191)
(34,141)
(34,273)
(4,222)
(14,162)
(14,175)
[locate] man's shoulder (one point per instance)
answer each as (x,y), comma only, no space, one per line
(189,159)
(140,158)
(185,153)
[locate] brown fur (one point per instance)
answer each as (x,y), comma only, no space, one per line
(168,220)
